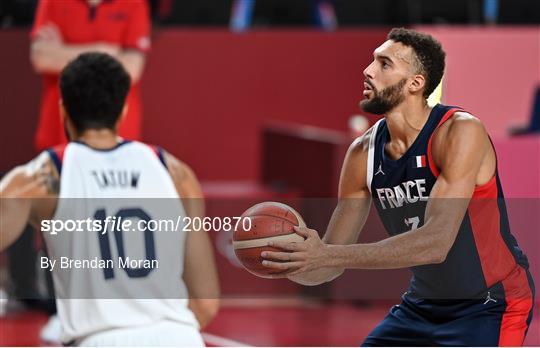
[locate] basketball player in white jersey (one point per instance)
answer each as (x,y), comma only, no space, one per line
(97,175)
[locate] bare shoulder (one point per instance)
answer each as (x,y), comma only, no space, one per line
(174,166)
(463,139)
(359,148)
(35,179)
(178,170)
(183,176)
(462,125)
(461,130)
(353,179)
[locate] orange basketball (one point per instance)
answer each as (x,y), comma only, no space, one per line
(270,221)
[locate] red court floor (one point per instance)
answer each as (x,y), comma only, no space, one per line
(261,325)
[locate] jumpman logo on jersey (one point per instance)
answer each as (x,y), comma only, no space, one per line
(380,171)
(489,299)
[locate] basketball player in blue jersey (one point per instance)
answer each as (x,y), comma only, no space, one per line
(432,175)
(96,175)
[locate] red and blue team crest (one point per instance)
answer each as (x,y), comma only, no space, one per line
(419,161)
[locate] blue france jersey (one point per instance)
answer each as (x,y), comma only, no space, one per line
(484,252)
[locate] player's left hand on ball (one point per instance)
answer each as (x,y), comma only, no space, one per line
(298,257)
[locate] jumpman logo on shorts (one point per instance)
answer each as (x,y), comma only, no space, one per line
(380,171)
(488,298)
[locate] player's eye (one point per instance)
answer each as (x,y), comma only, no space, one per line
(385,65)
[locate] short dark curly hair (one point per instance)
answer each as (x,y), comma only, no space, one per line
(94,87)
(429,54)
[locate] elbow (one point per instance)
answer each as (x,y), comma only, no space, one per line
(212,308)
(37,57)
(439,244)
(207,311)
(134,68)
(37,63)
(440,254)
(135,75)
(438,258)
(134,65)
(40,62)
(44,60)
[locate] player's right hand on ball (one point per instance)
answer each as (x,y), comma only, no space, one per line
(297,257)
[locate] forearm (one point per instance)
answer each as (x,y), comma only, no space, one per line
(414,248)
(133,61)
(49,58)
(15,213)
(341,221)
(194,207)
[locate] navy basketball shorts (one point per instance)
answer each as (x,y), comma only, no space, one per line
(493,320)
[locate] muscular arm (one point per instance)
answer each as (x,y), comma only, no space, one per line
(460,153)
(463,153)
(200,273)
(351,212)
(26,192)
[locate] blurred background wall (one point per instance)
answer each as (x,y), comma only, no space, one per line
(219,69)
(206,93)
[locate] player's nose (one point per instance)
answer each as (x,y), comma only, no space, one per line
(368,71)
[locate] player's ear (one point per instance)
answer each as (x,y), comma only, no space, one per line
(418,82)
(63,112)
(122,116)
(69,129)
(124,112)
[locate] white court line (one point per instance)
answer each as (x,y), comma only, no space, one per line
(222,341)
